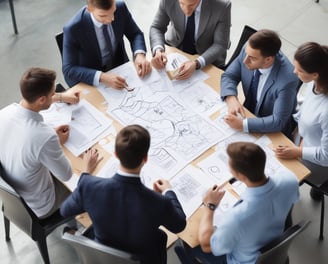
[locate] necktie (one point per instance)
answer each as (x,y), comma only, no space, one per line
(188,43)
(251,101)
(107,59)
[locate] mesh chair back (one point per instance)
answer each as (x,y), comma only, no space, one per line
(276,252)
(247,32)
(59,39)
(90,251)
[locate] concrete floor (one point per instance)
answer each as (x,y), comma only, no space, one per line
(38,21)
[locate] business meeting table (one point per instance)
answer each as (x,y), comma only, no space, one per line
(190,234)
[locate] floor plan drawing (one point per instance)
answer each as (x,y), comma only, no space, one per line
(178,134)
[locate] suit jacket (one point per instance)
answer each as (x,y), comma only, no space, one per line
(81,52)
(278,98)
(126,215)
(213,37)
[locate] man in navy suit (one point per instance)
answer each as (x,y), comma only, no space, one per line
(126,214)
(93,44)
(274,97)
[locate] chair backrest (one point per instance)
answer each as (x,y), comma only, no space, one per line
(59,39)
(14,207)
(276,252)
(247,32)
(90,251)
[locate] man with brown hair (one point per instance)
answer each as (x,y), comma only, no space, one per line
(93,44)
(256,219)
(31,153)
(125,213)
(268,83)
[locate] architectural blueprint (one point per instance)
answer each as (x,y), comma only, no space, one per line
(178,134)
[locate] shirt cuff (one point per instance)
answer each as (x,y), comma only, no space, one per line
(96,78)
(308,153)
(201,61)
(156,48)
(138,52)
(245,125)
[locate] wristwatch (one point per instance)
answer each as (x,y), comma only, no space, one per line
(197,64)
(211,206)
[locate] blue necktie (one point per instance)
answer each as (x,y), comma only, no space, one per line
(108,56)
(251,101)
(188,43)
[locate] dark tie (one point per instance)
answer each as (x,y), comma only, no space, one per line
(108,56)
(188,43)
(250,102)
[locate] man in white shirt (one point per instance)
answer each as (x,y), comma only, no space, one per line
(31,153)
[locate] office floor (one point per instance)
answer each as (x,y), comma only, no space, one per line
(38,21)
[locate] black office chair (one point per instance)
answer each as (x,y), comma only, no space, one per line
(247,32)
(276,252)
(321,186)
(90,251)
(59,40)
(15,210)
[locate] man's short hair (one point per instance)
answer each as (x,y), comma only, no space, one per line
(267,41)
(101,4)
(247,158)
(132,145)
(37,82)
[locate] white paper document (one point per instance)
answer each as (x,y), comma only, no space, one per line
(174,61)
(216,166)
(190,185)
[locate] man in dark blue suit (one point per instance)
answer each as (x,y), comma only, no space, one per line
(126,214)
(93,44)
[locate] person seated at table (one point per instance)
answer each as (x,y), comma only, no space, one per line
(93,44)
(31,153)
(256,219)
(311,66)
(269,85)
(209,35)
(125,213)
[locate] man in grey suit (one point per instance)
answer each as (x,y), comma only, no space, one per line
(273,97)
(211,38)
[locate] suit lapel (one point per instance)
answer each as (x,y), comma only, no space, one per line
(268,84)
(91,36)
(205,14)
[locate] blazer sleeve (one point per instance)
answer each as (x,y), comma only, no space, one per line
(232,77)
(159,27)
(217,51)
(175,218)
(72,69)
(73,205)
(131,29)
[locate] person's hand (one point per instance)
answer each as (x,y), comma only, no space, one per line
(234,122)
(142,65)
(90,160)
(186,70)
(63,133)
(161,185)
(159,60)
(113,80)
(214,195)
(234,106)
(288,152)
(70,96)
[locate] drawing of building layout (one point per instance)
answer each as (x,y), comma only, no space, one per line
(178,134)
